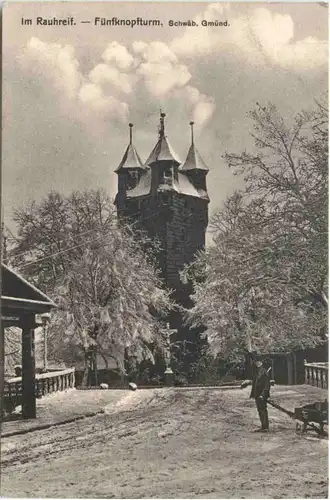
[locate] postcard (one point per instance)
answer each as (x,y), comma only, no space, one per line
(164,250)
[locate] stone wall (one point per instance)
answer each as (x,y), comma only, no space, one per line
(179,222)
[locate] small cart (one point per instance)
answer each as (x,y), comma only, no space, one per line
(308,417)
(312,416)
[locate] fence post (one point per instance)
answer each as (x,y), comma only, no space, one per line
(44,384)
(295,375)
(316,378)
(289,368)
(316,374)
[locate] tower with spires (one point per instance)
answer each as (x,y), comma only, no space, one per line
(168,199)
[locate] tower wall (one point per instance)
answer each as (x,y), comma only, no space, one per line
(179,223)
(170,203)
(185,234)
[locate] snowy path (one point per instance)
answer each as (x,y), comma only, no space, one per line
(170,443)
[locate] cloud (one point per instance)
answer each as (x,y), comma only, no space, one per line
(203,105)
(55,62)
(57,65)
(160,78)
(92,95)
(159,67)
(200,40)
(66,110)
(308,53)
(164,76)
(154,66)
(154,52)
(261,38)
(173,72)
(119,55)
(103,73)
(203,110)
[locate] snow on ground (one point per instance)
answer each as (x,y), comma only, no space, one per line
(167,443)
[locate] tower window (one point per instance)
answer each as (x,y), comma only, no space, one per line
(167,175)
(168,171)
(132,180)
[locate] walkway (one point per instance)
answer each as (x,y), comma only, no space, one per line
(167,443)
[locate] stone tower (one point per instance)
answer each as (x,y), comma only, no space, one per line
(169,200)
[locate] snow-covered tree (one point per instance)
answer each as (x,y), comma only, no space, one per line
(263,284)
(104,281)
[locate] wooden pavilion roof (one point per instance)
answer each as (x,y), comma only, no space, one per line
(18,296)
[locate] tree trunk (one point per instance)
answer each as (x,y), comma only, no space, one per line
(86,369)
(95,368)
(126,360)
(121,370)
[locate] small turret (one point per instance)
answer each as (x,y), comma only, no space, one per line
(129,170)
(162,150)
(163,161)
(131,159)
(194,166)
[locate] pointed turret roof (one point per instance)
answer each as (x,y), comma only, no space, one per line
(162,150)
(131,158)
(194,160)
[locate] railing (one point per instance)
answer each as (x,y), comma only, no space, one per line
(46,383)
(316,374)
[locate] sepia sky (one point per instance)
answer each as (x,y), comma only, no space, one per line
(70,91)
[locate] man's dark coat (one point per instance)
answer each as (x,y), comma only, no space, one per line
(260,384)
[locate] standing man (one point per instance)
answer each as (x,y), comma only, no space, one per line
(260,392)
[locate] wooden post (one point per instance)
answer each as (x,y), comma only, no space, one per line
(27,324)
(273,372)
(326,378)
(2,364)
(290,368)
(314,376)
(295,369)
(95,369)
(45,326)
